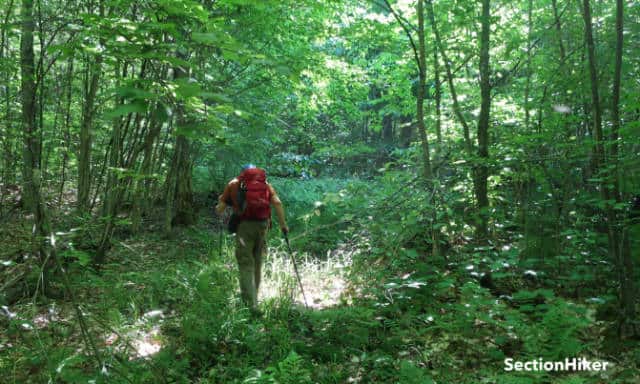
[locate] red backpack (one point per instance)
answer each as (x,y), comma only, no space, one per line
(257,195)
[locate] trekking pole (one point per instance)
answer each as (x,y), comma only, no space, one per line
(295,268)
(221,230)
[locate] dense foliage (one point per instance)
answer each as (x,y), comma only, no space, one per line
(461,180)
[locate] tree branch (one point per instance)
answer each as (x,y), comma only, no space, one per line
(406,29)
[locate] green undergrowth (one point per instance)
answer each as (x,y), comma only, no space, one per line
(167,310)
(177,301)
(316,210)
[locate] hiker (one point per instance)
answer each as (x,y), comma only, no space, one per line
(251,198)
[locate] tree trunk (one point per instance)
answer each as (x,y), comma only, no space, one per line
(8,173)
(141,195)
(615,99)
(625,260)
(66,138)
(595,97)
(428,173)
(84,158)
(601,170)
(185,213)
(114,187)
(170,194)
(113,192)
(406,130)
(438,95)
(527,87)
(31,161)
(447,66)
(387,128)
(420,98)
(558,25)
(179,208)
(482,169)
(40,92)
(31,176)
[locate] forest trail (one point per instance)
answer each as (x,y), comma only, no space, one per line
(178,296)
(451,174)
(324,279)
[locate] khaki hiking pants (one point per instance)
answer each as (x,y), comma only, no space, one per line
(251,248)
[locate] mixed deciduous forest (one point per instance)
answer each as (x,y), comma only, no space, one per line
(461,181)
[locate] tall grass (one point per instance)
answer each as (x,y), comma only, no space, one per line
(324,280)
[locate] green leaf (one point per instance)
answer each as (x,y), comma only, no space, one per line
(411,253)
(64,49)
(125,109)
(130,92)
(187,88)
(206,38)
(231,55)
(217,97)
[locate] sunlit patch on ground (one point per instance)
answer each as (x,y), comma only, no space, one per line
(44,318)
(40,320)
(324,281)
(142,339)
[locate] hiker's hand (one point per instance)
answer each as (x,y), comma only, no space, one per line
(285,230)
(220,208)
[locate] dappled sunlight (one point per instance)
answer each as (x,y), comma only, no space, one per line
(140,340)
(387,191)
(147,343)
(43,319)
(324,281)
(34,319)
